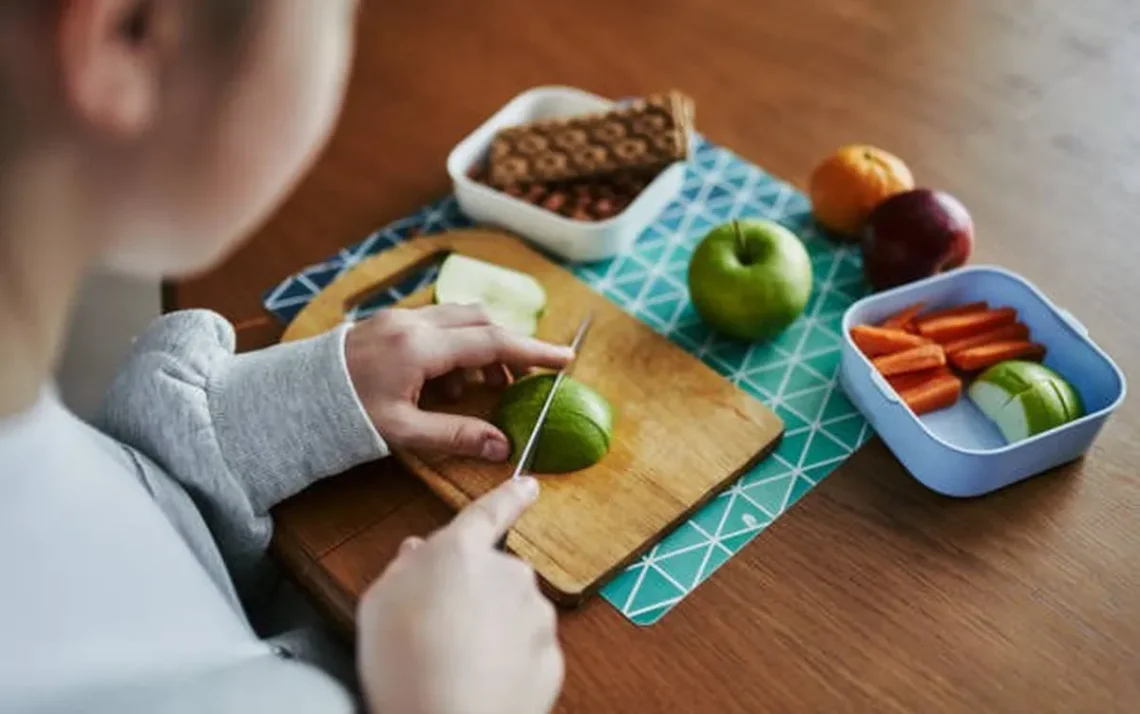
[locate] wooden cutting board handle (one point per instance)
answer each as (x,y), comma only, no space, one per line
(388,268)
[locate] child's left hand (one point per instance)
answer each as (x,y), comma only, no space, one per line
(392,354)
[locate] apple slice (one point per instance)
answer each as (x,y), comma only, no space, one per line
(513,300)
(1024,399)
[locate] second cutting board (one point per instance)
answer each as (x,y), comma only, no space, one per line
(682,431)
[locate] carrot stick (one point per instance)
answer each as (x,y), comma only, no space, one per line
(956,327)
(963,309)
(937,393)
(1005,333)
(910,380)
(986,355)
(912,360)
(903,319)
(875,341)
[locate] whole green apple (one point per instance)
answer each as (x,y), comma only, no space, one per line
(750,279)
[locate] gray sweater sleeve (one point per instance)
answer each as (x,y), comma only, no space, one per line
(239,432)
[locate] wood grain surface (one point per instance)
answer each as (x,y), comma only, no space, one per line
(872,594)
(681,431)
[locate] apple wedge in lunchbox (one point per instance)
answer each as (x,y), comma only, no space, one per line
(1024,399)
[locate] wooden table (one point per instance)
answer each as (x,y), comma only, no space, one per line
(873,594)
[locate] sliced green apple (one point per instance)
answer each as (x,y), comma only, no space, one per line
(1024,399)
(577,431)
(512,299)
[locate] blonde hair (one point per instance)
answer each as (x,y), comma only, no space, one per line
(218,32)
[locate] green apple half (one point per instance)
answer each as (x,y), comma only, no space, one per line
(512,299)
(750,279)
(1025,398)
(577,430)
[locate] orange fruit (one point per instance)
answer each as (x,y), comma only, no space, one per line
(852,181)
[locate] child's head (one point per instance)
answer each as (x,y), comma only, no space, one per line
(178,125)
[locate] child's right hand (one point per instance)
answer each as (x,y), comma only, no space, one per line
(454,626)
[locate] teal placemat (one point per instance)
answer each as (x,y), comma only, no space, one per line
(795,374)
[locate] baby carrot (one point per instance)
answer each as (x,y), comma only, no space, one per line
(912,360)
(910,380)
(875,341)
(936,393)
(1005,333)
(903,319)
(956,327)
(983,356)
(964,309)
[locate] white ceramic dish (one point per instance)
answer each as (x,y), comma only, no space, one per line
(957,451)
(570,239)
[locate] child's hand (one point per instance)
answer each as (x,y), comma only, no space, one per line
(391,355)
(454,626)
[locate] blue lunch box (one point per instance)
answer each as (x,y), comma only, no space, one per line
(957,451)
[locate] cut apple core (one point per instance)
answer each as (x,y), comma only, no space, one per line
(512,299)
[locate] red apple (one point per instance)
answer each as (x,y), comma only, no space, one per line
(914,235)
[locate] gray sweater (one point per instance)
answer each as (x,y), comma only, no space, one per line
(215,440)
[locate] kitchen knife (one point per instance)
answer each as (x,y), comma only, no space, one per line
(527,454)
(532,441)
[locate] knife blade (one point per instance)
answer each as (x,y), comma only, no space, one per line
(532,440)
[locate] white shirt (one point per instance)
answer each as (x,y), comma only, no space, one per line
(103,606)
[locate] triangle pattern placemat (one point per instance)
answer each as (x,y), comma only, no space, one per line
(795,373)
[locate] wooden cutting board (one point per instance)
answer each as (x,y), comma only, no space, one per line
(682,431)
